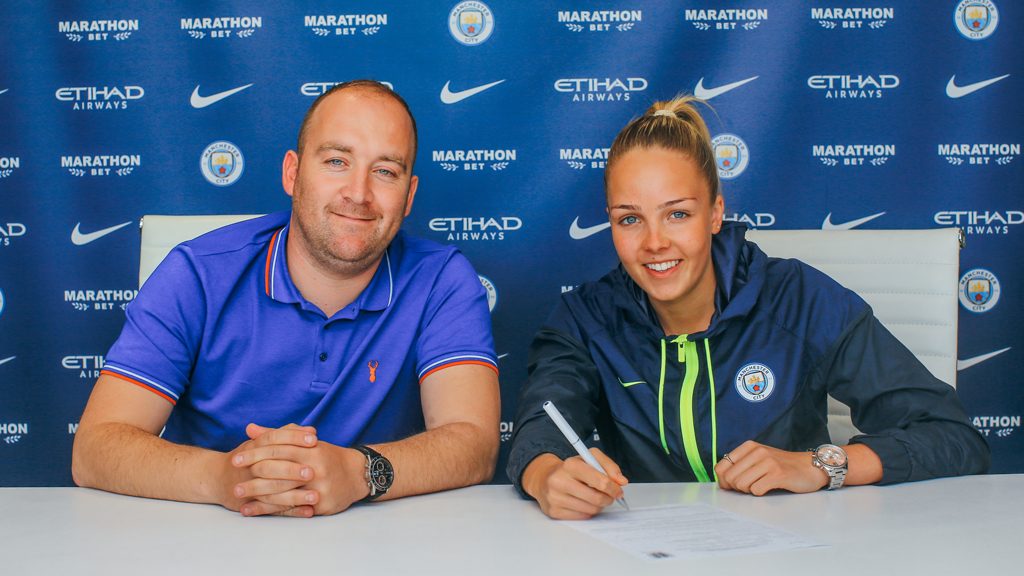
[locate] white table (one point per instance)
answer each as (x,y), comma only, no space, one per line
(967,525)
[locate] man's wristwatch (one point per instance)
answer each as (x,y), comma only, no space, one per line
(831,459)
(379,473)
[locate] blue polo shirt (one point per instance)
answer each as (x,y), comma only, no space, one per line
(221,331)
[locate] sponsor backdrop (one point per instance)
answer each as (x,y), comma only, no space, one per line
(868,114)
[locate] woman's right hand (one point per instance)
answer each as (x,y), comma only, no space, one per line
(571,489)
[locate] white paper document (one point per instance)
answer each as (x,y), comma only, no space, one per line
(684,531)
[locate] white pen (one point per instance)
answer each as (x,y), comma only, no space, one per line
(578,444)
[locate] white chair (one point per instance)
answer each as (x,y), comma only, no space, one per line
(909,277)
(162,233)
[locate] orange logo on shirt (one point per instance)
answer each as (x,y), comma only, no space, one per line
(372,365)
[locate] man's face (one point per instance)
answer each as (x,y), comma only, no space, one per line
(353,184)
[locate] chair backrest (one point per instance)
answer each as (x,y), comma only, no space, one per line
(909,277)
(162,233)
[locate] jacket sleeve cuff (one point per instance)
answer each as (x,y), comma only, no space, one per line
(525,453)
(896,461)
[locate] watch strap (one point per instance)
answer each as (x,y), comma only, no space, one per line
(371,456)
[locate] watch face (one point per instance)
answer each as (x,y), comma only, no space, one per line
(830,455)
(381,474)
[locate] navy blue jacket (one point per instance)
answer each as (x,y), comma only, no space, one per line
(783,336)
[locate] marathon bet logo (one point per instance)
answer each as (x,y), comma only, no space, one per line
(99,97)
(505,429)
(8,164)
(976,19)
(97,30)
(101,164)
(85,300)
(345,24)
(470,228)
(600,20)
(832,18)
(470,160)
(727,19)
(980,222)
(87,366)
(583,158)
(11,230)
(600,89)
(850,86)
(12,432)
(314,89)
(979,154)
(222,27)
(853,154)
(998,426)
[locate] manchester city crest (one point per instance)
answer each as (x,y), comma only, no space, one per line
(731,155)
(976,19)
(492,292)
(979,290)
(471,22)
(222,163)
(755,382)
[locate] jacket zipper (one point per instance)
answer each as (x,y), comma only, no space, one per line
(686,352)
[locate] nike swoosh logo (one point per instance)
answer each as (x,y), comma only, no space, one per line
(828,225)
(500,356)
(4,90)
(6,360)
(578,233)
(628,384)
(198,101)
(708,93)
(449,97)
(954,91)
(80,239)
(965,364)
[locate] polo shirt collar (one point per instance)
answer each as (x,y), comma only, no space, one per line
(377,295)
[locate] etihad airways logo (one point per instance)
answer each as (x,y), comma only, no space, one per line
(980,222)
(86,300)
(314,89)
(11,230)
(955,91)
(979,154)
(8,164)
(600,20)
(754,220)
(851,18)
(87,366)
(345,24)
(222,27)
(727,19)
(474,160)
(101,164)
(476,228)
(97,30)
(600,89)
(853,154)
(100,97)
(827,224)
(853,86)
(583,158)
(450,97)
(708,93)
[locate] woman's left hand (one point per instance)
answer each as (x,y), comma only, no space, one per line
(757,469)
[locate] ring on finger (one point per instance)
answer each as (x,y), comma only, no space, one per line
(727,457)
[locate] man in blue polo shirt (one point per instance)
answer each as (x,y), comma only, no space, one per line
(306,360)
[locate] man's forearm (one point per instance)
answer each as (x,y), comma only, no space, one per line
(450,456)
(122,458)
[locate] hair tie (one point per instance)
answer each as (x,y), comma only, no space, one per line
(665,113)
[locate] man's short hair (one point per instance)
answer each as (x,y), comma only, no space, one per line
(363,84)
